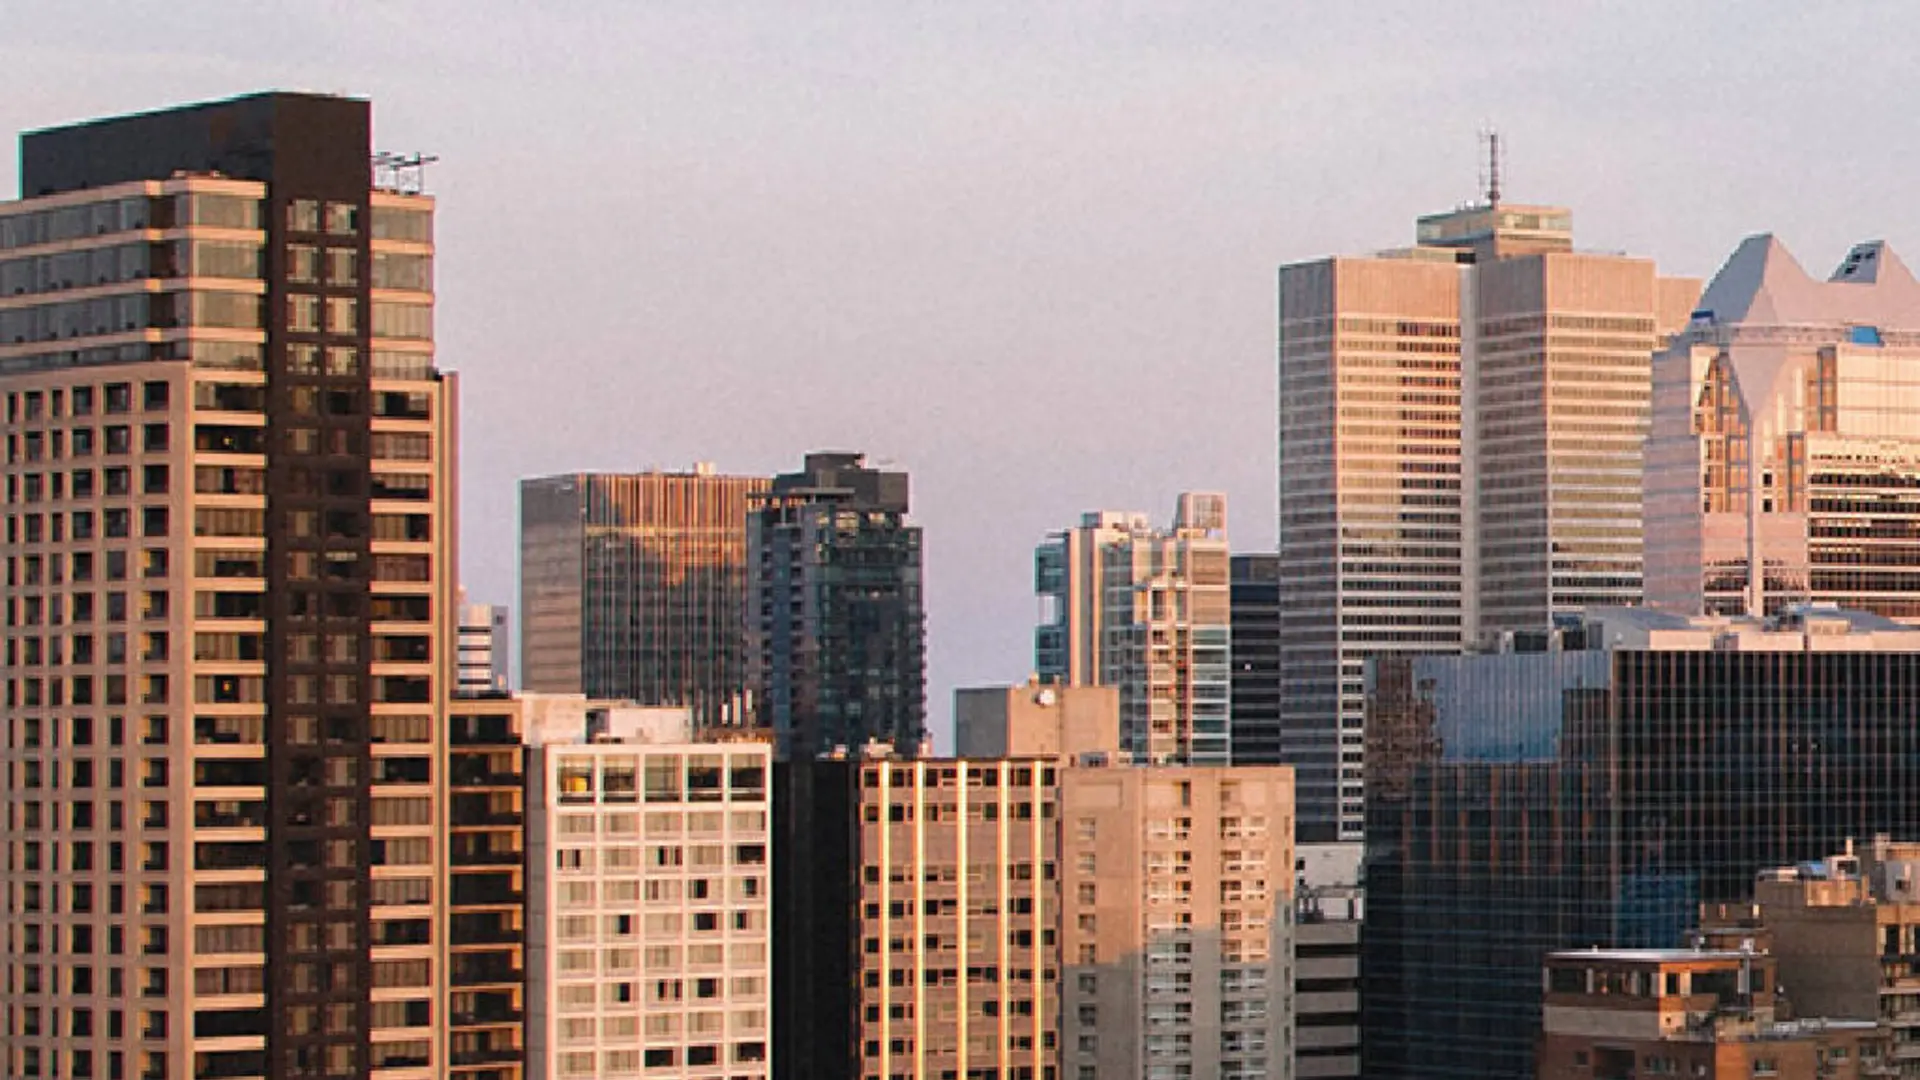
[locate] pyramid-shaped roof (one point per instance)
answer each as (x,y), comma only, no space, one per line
(1762,284)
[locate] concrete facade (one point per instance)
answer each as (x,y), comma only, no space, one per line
(1177,922)
(1036,720)
(649,910)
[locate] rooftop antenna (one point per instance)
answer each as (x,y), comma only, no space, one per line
(1492,138)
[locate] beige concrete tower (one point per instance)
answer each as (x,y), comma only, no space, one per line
(229,542)
(1460,443)
(1176,922)
(958,906)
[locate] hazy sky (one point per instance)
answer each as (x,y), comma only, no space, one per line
(1023,250)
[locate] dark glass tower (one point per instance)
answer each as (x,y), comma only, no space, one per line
(836,630)
(1529,802)
(1254,604)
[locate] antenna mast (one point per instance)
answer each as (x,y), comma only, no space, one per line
(1492,138)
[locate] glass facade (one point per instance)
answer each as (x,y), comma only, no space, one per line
(634,587)
(836,623)
(1525,803)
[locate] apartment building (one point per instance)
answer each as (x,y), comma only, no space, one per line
(648,908)
(1145,611)
(216,353)
(959,896)
(486,995)
(1176,892)
(633,586)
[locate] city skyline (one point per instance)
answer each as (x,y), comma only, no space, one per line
(1022,190)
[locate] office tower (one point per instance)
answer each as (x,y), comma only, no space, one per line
(1556,386)
(1145,611)
(633,586)
(1596,794)
(1254,617)
(648,908)
(481,649)
(836,627)
(217,346)
(1460,434)
(1176,921)
(1715,1015)
(1329,910)
(1036,720)
(1784,455)
(1370,518)
(486,999)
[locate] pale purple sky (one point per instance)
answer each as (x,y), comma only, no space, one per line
(1024,251)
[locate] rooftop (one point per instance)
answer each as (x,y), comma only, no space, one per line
(1762,283)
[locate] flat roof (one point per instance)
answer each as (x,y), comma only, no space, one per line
(1651,956)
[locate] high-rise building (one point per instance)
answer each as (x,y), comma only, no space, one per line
(1330,909)
(1715,1015)
(1145,611)
(481,649)
(1254,618)
(836,624)
(1784,460)
(1596,794)
(648,908)
(1555,385)
(1036,720)
(634,586)
(958,906)
(1176,921)
(1371,545)
(229,518)
(1460,436)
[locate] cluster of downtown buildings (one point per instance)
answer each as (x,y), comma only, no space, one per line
(272,810)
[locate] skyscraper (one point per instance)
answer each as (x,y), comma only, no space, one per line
(836,628)
(1460,437)
(1597,794)
(1145,611)
(633,586)
(216,348)
(1371,545)
(1784,463)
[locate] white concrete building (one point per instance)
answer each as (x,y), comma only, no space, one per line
(648,936)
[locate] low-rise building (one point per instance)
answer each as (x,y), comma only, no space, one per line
(1615,1014)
